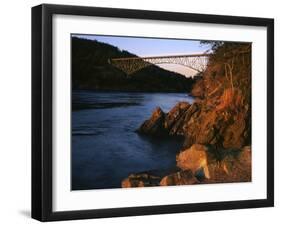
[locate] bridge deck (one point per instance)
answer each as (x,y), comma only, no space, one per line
(161,57)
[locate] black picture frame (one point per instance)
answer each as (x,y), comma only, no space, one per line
(42,111)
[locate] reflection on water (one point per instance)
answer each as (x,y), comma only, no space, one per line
(105,148)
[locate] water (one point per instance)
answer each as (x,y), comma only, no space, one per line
(105,147)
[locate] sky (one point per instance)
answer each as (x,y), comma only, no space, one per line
(154,47)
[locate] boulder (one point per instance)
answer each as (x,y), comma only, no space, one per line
(184,177)
(155,124)
(195,159)
(140,180)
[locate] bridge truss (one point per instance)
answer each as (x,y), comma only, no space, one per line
(130,65)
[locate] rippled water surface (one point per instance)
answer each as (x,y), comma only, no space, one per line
(105,148)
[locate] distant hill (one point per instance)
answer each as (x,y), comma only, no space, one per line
(91,70)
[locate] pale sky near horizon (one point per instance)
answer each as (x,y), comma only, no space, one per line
(154,47)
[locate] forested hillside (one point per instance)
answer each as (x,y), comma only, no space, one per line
(91,70)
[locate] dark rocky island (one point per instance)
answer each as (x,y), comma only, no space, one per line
(216,127)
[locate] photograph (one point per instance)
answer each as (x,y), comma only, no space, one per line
(145,112)
(150,111)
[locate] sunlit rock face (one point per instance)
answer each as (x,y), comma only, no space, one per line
(223,122)
(200,164)
(162,124)
(155,124)
(184,177)
(194,158)
(175,115)
(140,180)
(214,166)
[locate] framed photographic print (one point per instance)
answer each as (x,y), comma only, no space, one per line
(147,112)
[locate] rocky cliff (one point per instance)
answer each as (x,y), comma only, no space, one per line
(216,127)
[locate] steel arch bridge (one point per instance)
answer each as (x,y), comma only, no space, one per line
(130,65)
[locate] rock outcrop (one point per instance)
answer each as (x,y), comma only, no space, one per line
(216,127)
(224,124)
(195,159)
(175,116)
(183,177)
(211,165)
(155,124)
(199,164)
(140,180)
(161,124)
